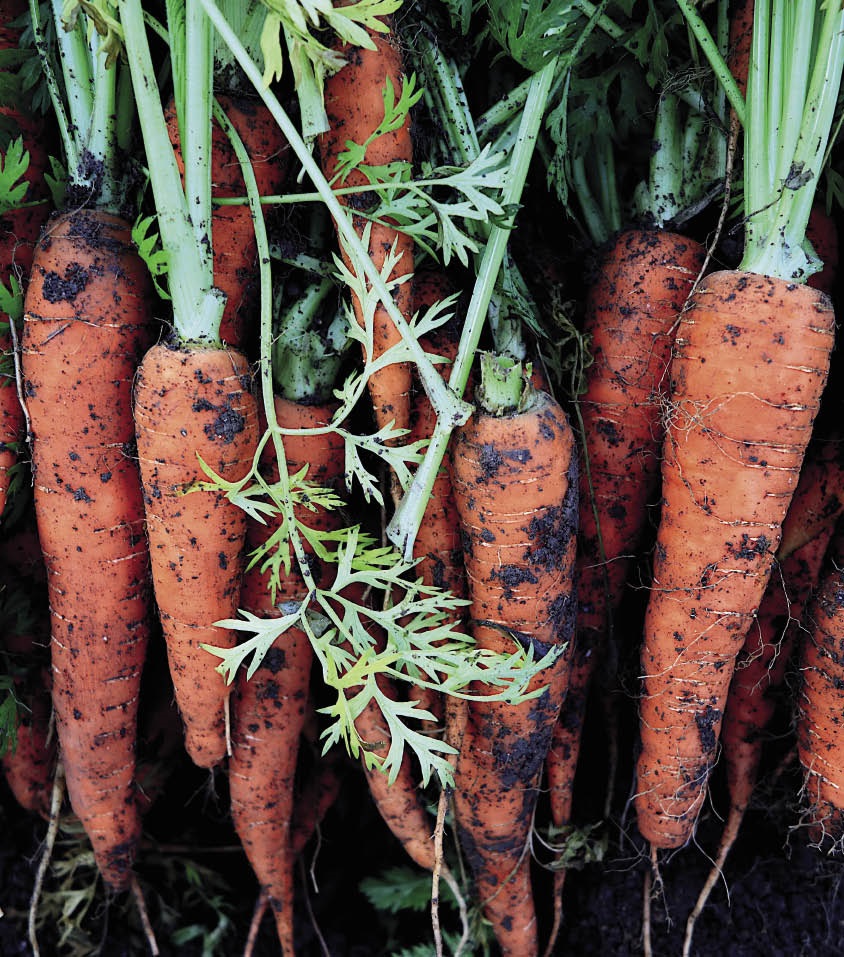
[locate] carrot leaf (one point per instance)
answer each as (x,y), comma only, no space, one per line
(151,251)
(13,166)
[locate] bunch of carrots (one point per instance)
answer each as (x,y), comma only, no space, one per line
(294,402)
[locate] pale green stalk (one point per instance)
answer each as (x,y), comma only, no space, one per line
(408,516)
(62,120)
(797,55)
(197,308)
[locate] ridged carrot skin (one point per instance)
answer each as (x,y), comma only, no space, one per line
(750,364)
(353,102)
(192,402)
(515,485)
(269,710)
(86,325)
(631,316)
(820,716)
(233,234)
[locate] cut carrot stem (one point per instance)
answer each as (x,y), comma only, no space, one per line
(192,402)
(85,327)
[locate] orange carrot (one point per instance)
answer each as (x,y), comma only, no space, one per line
(515,486)
(819,738)
(192,402)
(269,709)
(762,662)
(353,102)
(26,638)
(233,235)
(86,324)
(751,360)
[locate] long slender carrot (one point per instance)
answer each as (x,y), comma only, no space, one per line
(86,324)
(29,767)
(354,105)
(515,485)
(193,402)
(819,739)
(767,651)
(270,708)
(750,364)
(235,251)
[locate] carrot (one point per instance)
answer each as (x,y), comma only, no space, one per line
(731,459)
(235,248)
(437,546)
(819,741)
(354,106)
(631,312)
(270,708)
(192,402)
(515,485)
(86,324)
(28,767)
(762,662)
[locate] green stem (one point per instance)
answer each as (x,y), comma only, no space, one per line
(405,523)
(177,236)
(52,83)
(445,403)
(502,384)
(715,57)
(73,57)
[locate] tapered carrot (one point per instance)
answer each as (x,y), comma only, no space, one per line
(25,637)
(515,485)
(750,365)
(767,651)
(819,740)
(270,708)
(233,234)
(354,105)
(192,402)
(86,324)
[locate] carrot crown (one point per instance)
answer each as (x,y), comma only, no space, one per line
(796,60)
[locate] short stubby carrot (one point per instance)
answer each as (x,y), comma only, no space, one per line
(515,485)
(820,743)
(353,102)
(233,234)
(192,402)
(270,708)
(86,325)
(750,364)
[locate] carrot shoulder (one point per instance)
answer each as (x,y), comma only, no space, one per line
(751,361)
(354,105)
(515,485)
(86,325)
(192,402)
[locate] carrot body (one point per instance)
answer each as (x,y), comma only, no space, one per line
(515,485)
(438,546)
(353,102)
(233,234)
(269,709)
(192,402)
(820,717)
(86,325)
(750,363)
(631,316)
